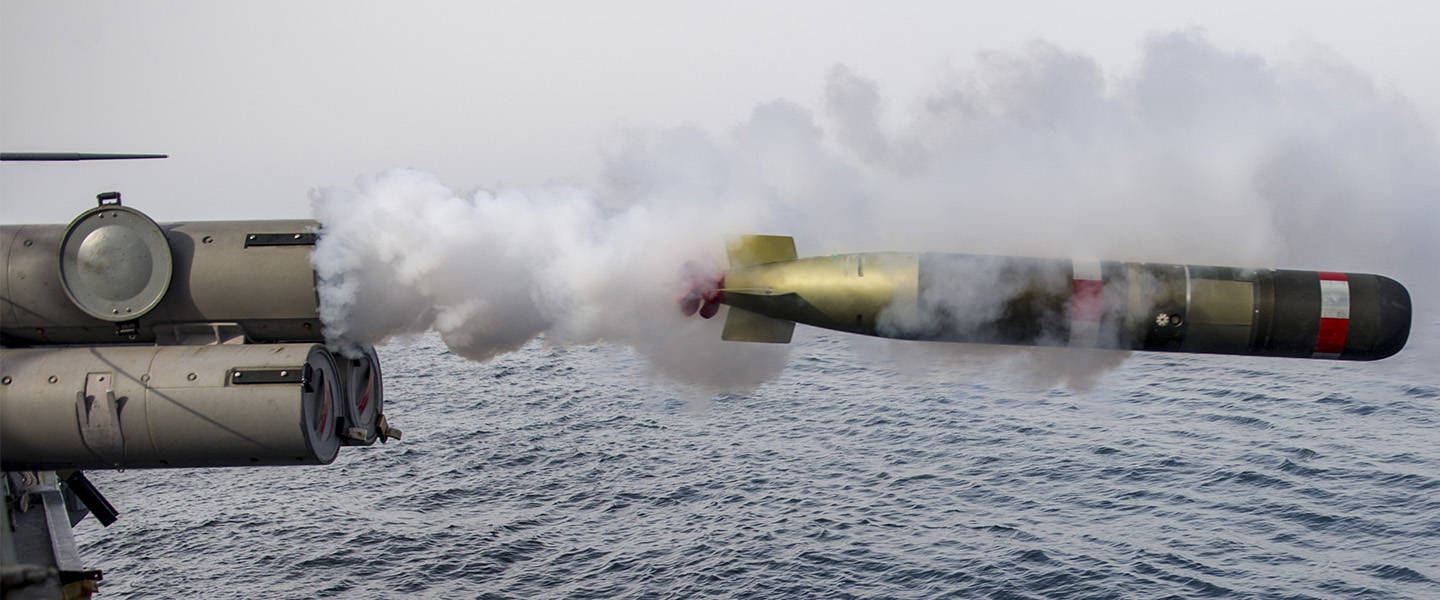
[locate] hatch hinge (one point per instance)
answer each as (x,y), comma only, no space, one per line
(98,411)
(128,329)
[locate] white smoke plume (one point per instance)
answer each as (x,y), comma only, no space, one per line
(1200,155)
(402,254)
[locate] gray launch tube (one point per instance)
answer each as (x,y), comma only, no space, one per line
(255,275)
(168,406)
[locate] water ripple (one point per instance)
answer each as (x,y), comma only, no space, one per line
(568,473)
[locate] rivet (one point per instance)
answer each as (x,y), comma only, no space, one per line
(252,236)
(297,236)
(145,377)
(207,239)
(191,377)
(284,373)
(54,379)
(238,374)
(5,380)
(29,243)
(114,311)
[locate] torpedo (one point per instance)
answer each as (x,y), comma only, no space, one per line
(1081,303)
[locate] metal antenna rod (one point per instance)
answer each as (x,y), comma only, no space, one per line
(67,156)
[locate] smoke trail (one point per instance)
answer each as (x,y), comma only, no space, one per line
(402,254)
(1199,155)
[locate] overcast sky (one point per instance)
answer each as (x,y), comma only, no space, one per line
(258,102)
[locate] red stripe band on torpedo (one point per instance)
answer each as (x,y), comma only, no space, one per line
(1086,307)
(1331,339)
(1085,300)
(1334,314)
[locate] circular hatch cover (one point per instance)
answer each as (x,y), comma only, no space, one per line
(115,263)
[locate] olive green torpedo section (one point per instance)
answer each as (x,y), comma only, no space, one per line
(1082,303)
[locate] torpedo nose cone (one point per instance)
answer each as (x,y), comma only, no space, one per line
(1394,312)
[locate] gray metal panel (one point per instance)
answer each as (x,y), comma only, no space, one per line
(7,239)
(223,280)
(57,517)
(40,311)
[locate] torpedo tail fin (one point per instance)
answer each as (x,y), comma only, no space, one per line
(745,326)
(749,250)
(748,326)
